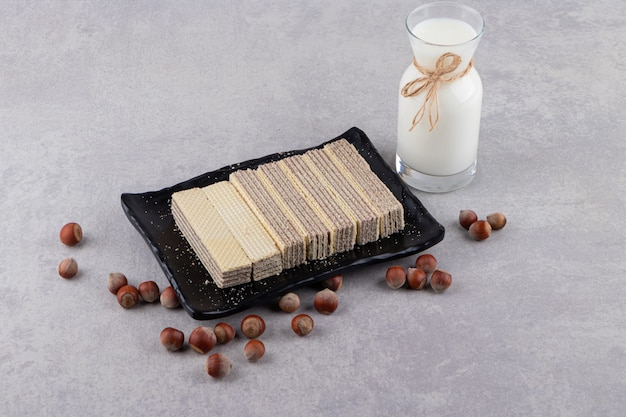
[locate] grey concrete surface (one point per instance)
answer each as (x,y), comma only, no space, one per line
(99,98)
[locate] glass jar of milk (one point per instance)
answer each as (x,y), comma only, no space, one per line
(440,98)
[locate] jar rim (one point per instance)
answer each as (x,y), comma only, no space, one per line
(435,10)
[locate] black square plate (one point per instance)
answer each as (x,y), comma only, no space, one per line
(150,213)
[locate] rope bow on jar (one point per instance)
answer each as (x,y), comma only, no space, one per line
(446,64)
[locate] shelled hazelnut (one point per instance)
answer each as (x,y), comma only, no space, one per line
(480,230)
(440,280)
(326,301)
(302,324)
(218,365)
(416,278)
(224,333)
(71,234)
(289,302)
(333,283)
(68,268)
(395,277)
(252,326)
(466,218)
(127,296)
(149,291)
(172,339)
(116,281)
(254,350)
(427,262)
(496,220)
(202,339)
(168,298)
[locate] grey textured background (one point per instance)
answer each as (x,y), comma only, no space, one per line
(100,98)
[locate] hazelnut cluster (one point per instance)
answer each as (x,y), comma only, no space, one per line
(147,291)
(481,229)
(203,339)
(302,324)
(218,365)
(422,275)
(70,235)
(325,302)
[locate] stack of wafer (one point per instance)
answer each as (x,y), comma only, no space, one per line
(342,227)
(345,195)
(285,213)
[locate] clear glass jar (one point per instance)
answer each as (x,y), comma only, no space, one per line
(440,99)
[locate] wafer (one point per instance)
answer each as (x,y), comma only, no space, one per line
(343,235)
(288,238)
(298,209)
(209,237)
(345,195)
(255,241)
(358,172)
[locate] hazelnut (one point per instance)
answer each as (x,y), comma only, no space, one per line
(289,302)
(218,365)
(149,291)
(252,326)
(480,230)
(127,296)
(302,324)
(224,333)
(426,262)
(168,298)
(496,220)
(395,277)
(254,350)
(202,339)
(172,339)
(333,283)
(71,234)
(466,218)
(440,280)
(416,278)
(326,301)
(116,281)
(68,268)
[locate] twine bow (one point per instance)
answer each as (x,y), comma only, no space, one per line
(446,64)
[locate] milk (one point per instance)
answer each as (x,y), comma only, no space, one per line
(451,146)
(444,31)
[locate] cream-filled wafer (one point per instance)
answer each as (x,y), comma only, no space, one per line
(246,228)
(345,195)
(298,209)
(214,244)
(289,239)
(343,227)
(356,170)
